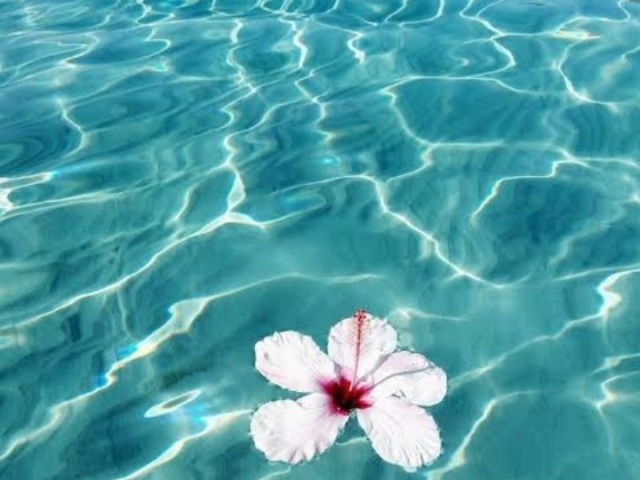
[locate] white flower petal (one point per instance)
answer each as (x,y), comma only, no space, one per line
(361,344)
(294,361)
(294,431)
(410,376)
(401,433)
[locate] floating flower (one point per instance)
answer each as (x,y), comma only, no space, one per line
(362,373)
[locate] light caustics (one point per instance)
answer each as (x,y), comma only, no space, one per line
(345,66)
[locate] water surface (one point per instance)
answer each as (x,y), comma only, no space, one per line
(179,179)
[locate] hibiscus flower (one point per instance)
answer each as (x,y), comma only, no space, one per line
(362,373)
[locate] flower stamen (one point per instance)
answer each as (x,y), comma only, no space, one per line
(361,318)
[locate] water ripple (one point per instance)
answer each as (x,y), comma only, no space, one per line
(179,178)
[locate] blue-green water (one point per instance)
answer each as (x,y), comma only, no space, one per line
(181,178)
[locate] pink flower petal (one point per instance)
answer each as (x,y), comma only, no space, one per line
(294,361)
(401,433)
(292,432)
(360,344)
(410,376)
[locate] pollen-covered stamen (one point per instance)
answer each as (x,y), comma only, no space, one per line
(346,397)
(360,318)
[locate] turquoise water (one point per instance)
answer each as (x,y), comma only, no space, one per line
(179,179)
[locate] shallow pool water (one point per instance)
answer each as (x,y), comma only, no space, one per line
(179,179)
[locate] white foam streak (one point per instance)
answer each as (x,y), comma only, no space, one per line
(5,204)
(8,185)
(358,54)
(497,186)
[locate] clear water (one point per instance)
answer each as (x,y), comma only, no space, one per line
(182,178)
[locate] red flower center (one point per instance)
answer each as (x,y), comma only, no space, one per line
(346,397)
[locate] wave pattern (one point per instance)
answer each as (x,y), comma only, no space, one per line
(179,178)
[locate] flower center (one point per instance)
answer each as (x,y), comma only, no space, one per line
(346,397)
